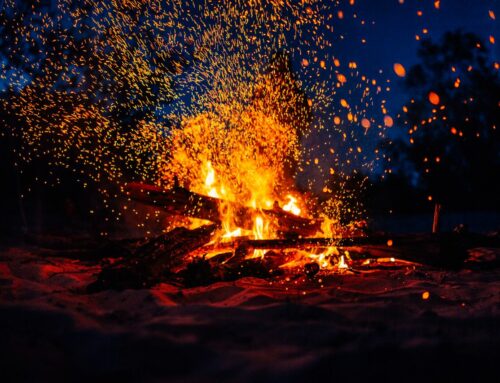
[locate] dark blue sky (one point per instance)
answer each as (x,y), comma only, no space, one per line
(391,28)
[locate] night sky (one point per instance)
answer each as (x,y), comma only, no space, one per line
(390,29)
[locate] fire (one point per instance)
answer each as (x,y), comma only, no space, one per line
(247,153)
(260,227)
(232,234)
(210,180)
(342,264)
(323,258)
(291,206)
(327,258)
(212,160)
(259,230)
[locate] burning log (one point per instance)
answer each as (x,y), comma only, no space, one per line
(443,250)
(243,243)
(164,258)
(181,201)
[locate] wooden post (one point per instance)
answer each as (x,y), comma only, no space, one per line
(435,222)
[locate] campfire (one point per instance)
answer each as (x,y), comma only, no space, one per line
(233,211)
(236,177)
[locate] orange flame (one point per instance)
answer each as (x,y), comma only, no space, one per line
(291,206)
(248,157)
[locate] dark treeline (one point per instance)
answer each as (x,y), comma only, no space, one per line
(447,148)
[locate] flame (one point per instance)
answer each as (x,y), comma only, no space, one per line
(210,180)
(246,157)
(254,180)
(259,229)
(342,264)
(232,234)
(323,258)
(291,206)
(250,184)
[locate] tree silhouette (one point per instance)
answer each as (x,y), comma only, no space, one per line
(77,85)
(450,126)
(85,75)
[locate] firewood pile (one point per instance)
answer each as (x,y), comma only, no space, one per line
(180,256)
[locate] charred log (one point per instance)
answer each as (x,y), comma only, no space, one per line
(447,250)
(203,271)
(152,262)
(162,259)
(181,201)
(242,246)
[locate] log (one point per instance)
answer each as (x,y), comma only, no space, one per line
(152,262)
(447,250)
(442,250)
(181,201)
(163,258)
(287,243)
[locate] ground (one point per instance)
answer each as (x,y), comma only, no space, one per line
(374,326)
